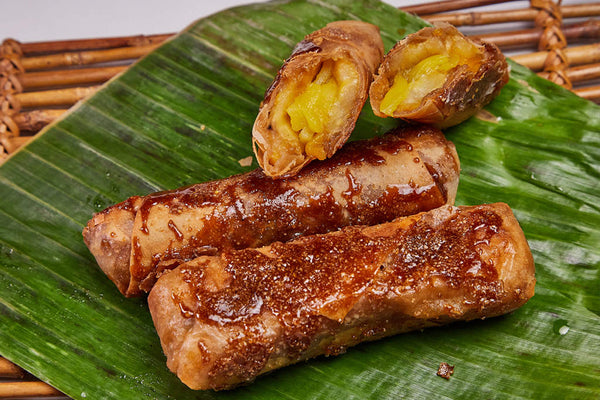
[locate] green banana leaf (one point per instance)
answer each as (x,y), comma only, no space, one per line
(184,114)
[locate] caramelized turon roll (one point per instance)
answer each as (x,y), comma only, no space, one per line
(224,320)
(367,182)
(438,76)
(312,105)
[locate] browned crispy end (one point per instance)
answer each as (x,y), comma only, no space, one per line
(487,272)
(184,341)
(440,158)
(108,237)
(516,267)
(224,320)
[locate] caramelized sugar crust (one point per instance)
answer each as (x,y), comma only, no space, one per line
(368,182)
(225,319)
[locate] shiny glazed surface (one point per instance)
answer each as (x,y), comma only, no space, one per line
(272,306)
(368,182)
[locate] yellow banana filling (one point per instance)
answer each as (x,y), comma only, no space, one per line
(306,114)
(412,84)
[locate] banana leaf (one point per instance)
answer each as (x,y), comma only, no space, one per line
(184,113)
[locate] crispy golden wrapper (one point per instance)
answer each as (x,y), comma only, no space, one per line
(311,107)
(438,76)
(225,320)
(367,182)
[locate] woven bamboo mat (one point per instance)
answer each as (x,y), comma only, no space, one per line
(40,81)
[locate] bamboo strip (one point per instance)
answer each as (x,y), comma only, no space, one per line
(33,121)
(58,97)
(17,141)
(525,14)
(448,5)
(580,73)
(591,93)
(552,41)
(512,39)
(10,370)
(85,57)
(92,44)
(27,389)
(9,146)
(576,55)
(68,77)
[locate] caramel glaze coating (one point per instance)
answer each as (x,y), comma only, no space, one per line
(464,92)
(223,320)
(355,41)
(367,182)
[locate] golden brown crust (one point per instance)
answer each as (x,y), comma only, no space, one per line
(354,41)
(108,237)
(464,92)
(224,320)
(367,182)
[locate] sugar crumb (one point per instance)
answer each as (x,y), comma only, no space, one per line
(245,162)
(445,370)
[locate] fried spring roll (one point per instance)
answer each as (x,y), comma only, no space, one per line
(367,182)
(224,320)
(438,76)
(311,107)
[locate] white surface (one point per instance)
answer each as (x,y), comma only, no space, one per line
(43,20)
